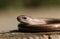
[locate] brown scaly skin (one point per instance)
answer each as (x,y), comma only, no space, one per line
(44,24)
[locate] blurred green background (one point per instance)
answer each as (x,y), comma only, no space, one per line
(28,3)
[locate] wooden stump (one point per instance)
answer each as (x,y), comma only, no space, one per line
(40,35)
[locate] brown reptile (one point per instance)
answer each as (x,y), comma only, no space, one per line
(46,24)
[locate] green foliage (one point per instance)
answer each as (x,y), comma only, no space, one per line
(27,3)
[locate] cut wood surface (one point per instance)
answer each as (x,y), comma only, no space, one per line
(21,35)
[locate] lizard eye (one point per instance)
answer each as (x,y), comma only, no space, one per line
(24,18)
